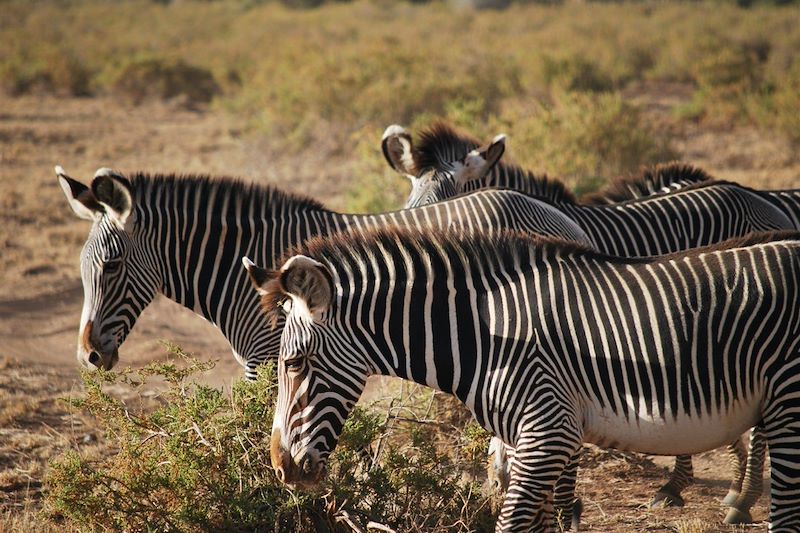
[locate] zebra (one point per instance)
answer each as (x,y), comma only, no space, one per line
(663,178)
(183,237)
(670,178)
(747,485)
(675,177)
(441,146)
(549,344)
(696,214)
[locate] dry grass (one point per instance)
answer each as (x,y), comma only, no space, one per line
(306,76)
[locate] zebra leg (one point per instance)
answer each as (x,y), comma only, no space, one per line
(540,458)
(753,483)
(568,508)
(782,430)
(738,461)
(682,476)
(499,465)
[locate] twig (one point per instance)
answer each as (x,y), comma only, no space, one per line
(424,422)
(598,507)
(344,516)
(430,405)
(200,434)
(380,527)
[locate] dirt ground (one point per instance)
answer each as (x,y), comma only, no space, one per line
(41,294)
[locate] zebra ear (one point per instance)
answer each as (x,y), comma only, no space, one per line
(480,161)
(259,277)
(79,196)
(114,192)
(398,150)
(303,278)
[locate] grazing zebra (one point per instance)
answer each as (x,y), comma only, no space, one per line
(184,237)
(695,215)
(548,344)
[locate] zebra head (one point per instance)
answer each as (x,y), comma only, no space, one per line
(448,176)
(320,375)
(116,284)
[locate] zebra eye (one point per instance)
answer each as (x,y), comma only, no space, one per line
(111,267)
(294,363)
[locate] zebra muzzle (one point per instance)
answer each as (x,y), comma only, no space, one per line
(304,473)
(89,354)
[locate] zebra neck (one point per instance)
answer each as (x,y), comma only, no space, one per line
(196,235)
(512,177)
(433,328)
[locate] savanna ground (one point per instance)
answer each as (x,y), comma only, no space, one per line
(298,99)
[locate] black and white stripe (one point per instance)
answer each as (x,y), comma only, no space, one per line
(549,346)
(698,213)
(185,237)
(665,179)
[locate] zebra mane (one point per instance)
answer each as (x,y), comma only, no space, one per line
(541,185)
(486,248)
(650,181)
(273,296)
(441,144)
(262,198)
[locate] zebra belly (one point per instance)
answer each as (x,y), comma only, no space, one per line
(669,434)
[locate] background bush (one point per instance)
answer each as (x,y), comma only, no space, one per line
(139,79)
(553,77)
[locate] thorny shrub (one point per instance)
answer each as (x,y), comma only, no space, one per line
(199,461)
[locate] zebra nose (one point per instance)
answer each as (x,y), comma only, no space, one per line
(308,466)
(94,358)
(280,458)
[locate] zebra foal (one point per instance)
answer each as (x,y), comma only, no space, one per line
(549,345)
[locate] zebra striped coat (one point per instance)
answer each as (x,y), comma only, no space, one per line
(698,213)
(669,178)
(445,150)
(184,237)
(549,345)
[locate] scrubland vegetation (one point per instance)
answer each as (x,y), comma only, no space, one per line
(197,459)
(552,77)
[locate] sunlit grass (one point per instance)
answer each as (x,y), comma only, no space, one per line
(549,76)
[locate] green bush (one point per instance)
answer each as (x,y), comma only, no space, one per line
(374,188)
(158,78)
(583,138)
(576,74)
(46,69)
(199,461)
(347,67)
(778,107)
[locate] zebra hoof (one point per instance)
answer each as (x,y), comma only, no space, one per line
(577,511)
(735,516)
(570,518)
(730,499)
(665,499)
